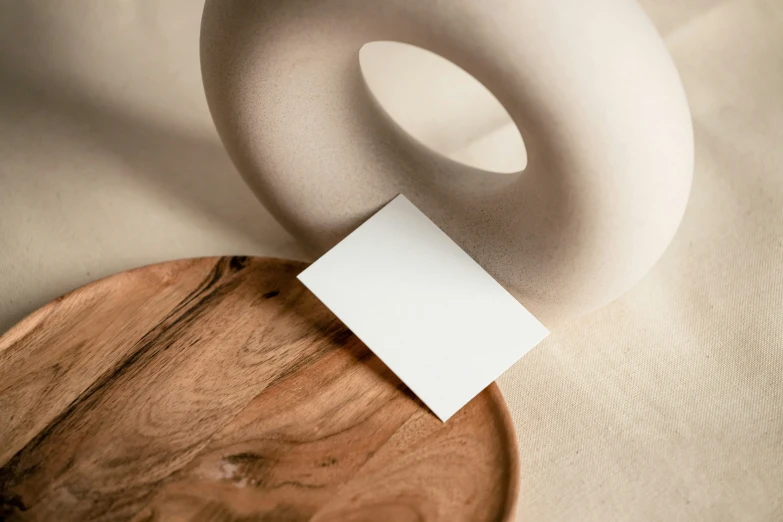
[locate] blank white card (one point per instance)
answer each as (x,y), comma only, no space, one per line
(423,306)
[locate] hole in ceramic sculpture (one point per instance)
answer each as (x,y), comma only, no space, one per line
(442,106)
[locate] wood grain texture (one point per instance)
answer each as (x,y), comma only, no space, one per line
(220,389)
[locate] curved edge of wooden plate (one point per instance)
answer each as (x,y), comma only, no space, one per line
(515,471)
(28,324)
(31,320)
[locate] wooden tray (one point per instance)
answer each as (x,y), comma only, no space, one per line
(221,389)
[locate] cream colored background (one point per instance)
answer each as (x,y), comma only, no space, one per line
(665,405)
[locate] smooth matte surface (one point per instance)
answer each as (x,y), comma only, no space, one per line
(221,389)
(663,406)
(590,86)
(423,306)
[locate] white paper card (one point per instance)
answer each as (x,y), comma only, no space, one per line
(423,306)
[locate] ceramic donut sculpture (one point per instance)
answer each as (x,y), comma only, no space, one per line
(590,86)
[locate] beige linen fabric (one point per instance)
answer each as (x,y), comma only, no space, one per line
(665,405)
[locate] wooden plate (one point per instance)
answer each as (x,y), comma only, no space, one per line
(220,389)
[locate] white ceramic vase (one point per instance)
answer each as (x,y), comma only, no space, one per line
(590,85)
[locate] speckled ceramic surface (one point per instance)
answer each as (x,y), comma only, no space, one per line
(592,89)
